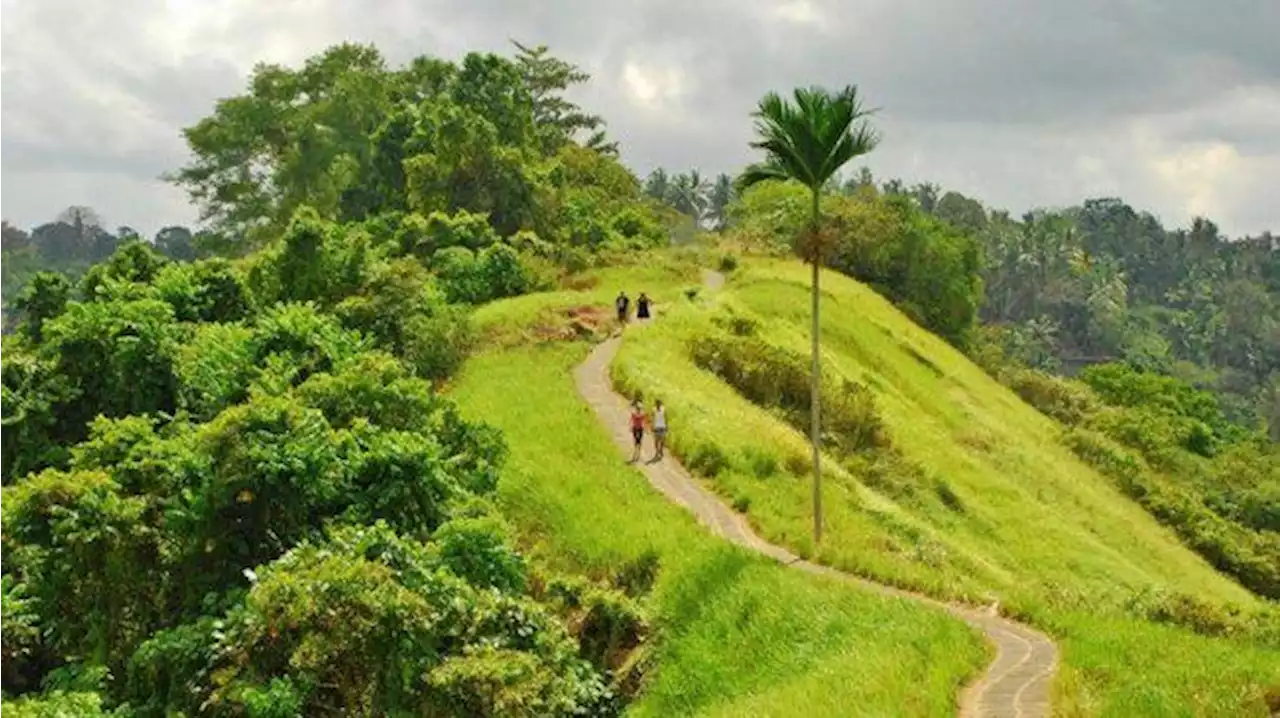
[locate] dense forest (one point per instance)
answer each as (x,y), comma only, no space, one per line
(230,486)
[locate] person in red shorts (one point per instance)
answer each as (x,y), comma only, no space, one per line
(637,428)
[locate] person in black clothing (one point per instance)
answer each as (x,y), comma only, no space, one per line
(642,306)
(623,305)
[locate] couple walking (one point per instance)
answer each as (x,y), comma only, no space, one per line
(623,305)
(658,422)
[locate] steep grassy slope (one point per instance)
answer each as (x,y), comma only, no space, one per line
(994,507)
(736,634)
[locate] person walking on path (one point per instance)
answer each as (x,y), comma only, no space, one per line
(659,430)
(623,305)
(637,428)
(642,306)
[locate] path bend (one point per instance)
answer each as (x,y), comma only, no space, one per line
(1015,684)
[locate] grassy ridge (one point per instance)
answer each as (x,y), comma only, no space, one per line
(998,509)
(737,634)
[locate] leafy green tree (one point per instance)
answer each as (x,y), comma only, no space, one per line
(808,141)
(44,298)
(176,243)
(558,120)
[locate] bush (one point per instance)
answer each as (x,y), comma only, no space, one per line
(20,644)
(727,263)
(361,620)
(774,377)
(637,575)
(708,459)
(89,557)
(215,367)
(203,291)
(119,355)
(1187,611)
(437,344)
(1053,396)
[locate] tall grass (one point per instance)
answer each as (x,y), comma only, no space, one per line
(991,505)
(736,633)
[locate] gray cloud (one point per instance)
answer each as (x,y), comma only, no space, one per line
(1171,105)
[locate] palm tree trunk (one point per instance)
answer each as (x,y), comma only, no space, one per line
(815,430)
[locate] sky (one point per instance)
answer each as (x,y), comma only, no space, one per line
(1173,105)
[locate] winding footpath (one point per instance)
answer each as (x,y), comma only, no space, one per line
(1015,685)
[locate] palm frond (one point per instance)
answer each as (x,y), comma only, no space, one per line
(760,172)
(810,137)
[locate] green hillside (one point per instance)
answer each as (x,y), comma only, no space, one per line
(342,467)
(981,502)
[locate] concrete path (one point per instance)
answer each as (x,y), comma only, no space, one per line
(1015,685)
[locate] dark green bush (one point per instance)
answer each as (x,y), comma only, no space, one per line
(777,378)
(708,459)
(1053,396)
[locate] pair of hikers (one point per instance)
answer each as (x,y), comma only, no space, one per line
(623,305)
(659,424)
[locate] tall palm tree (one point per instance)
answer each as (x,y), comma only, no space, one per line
(808,141)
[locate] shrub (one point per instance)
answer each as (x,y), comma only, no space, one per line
(775,377)
(636,575)
(727,263)
(1053,396)
(118,355)
(20,644)
(61,704)
(763,464)
(437,344)
(215,367)
(708,459)
(203,291)
(78,542)
(479,550)
(360,621)
(1187,611)
(305,340)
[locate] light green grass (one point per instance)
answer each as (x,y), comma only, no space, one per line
(737,635)
(1039,530)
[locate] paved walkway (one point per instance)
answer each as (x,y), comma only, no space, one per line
(1015,685)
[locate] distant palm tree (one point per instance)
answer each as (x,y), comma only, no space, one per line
(689,194)
(809,141)
(718,200)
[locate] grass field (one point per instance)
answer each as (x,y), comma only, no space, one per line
(1001,511)
(737,634)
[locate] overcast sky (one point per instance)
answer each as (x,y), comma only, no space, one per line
(1173,105)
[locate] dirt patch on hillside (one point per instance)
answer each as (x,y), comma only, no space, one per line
(581,322)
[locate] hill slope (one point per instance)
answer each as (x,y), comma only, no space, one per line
(736,633)
(979,499)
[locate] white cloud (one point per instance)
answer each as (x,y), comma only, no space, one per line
(653,86)
(1195,175)
(800,12)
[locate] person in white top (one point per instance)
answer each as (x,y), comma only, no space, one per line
(659,430)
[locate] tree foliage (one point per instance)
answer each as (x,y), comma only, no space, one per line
(230,484)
